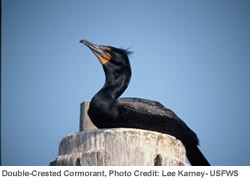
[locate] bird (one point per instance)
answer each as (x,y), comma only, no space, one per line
(108,110)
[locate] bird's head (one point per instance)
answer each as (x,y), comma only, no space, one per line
(116,66)
(108,54)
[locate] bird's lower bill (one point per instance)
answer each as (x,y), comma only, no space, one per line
(103,58)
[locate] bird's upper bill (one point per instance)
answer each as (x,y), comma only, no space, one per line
(99,51)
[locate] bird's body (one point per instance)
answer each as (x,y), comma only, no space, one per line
(141,114)
(107,110)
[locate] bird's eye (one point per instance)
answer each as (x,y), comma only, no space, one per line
(108,50)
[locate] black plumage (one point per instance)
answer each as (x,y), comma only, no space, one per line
(107,110)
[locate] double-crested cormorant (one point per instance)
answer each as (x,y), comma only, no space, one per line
(107,111)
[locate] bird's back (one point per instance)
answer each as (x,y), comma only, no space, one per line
(152,115)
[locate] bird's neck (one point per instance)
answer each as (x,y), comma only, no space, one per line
(116,83)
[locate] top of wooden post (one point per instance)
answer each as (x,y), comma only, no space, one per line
(85,122)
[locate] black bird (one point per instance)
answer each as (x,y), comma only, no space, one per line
(107,111)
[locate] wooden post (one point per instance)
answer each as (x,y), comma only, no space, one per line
(85,122)
(120,146)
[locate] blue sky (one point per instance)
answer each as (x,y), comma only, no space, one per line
(192,56)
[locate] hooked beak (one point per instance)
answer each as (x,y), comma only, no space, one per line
(99,51)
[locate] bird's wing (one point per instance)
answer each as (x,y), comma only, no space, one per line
(146,106)
(156,117)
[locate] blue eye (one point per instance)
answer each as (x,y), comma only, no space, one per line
(108,50)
